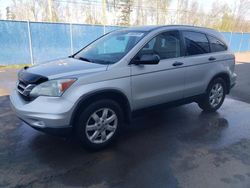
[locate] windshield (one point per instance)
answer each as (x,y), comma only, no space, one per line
(110,48)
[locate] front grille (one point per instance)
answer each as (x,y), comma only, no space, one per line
(24,89)
(21,86)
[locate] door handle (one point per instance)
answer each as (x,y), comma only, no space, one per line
(212,58)
(177,63)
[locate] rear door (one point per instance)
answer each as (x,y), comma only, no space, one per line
(197,62)
(220,51)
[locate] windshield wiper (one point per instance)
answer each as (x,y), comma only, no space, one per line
(81,58)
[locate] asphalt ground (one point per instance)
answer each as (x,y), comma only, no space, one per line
(177,147)
(241,91)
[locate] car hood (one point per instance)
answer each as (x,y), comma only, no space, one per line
(65,68)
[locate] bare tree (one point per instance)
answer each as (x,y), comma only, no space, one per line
(162,11)
(35,10)
(49,10)
(222,16)
(242,8)
(138,12)
(182,13)
(194,10)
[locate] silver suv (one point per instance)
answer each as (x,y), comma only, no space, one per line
(96,90)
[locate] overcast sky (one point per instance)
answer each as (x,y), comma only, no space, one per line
(206,4)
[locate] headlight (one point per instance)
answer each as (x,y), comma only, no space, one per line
(53,88)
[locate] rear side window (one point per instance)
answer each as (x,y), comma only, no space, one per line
(196,43)
(216,45)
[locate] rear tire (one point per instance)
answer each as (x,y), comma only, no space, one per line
(99,124)
(214,97)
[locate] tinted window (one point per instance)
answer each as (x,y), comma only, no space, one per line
(196,43)
(166,45)
(216,45)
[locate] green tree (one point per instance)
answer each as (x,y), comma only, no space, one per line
(227,20)
(125,7)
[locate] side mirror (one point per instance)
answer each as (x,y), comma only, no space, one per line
(147,59)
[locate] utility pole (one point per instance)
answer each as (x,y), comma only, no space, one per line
(50,10)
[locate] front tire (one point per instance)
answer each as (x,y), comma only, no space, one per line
(99,124)
(214,96)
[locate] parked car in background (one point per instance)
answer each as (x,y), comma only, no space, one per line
(96,90)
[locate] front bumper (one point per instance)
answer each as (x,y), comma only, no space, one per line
(64,131)
(43,112)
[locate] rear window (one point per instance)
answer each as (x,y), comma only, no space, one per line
(196,43)
(216,45)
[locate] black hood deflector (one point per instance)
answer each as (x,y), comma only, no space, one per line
(30,78)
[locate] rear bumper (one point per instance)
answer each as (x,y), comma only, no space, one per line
(232,85)
(233,80)
(44,113)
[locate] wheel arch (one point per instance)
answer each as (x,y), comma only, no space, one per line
(112,94)
(225,76)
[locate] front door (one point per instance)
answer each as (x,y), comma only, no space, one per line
(163,82)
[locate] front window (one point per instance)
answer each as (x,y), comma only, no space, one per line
(110,48)
(166,45)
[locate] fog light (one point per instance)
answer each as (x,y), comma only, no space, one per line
(38,124)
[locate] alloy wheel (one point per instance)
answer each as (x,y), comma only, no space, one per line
(216,95)
(101,125)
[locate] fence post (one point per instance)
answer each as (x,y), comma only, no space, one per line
(104,29)
(248,49)
(240,41)
(71,38)
(230,39)
(30,43)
